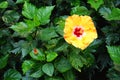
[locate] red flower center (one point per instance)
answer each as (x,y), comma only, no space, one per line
(78,31)
(35,51)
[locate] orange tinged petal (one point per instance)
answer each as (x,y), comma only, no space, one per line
(79,31)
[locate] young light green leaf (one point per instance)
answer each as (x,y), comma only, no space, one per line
(80,10)
(95,3)
(37,54)
(12,74)
(48,69)
(3,61)
(51,56)
(114,52)
(32,23)
(62,65)
(27,65)
(29,10)
(4,4)
(22,28)
(44,13)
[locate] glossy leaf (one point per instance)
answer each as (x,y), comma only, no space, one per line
(4,4)
(115,14)
(62,65)
(29,10)
(25,49)
(114,52)
(108,14)
(27,65)
(3,61)
(105,12)
(37,56)
(43,14)
(76,61)
(48,69)
(37,71)
(69,75)
(21,1)
(10,16)
(95,3)
(53,78)
(12,74)
(62,47)
(80,10)
(47,34)
(61,23)
(51,56)
(22,28)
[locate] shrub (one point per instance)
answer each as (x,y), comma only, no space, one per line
(33,45)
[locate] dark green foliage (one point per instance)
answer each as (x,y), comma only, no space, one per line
(30,25)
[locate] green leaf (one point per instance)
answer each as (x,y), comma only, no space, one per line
(95,3)
(4,4)
(112,74)
(48,69)
(62,65)
(3,61)
(22,1)
(29,10)
(75,2)
(115,14)
(26,48)
(61,47)
(37,71)
(52,43)
(12,74)
(93,46)
(44,13)
(27,65)
(10,16)
(105,12)
(47,34)
(51,56)
(87,59)
(22,28)
(32,23)
(80,10)
(53,78)
(76,61)
(114,52)
(37,56)
(69,75)
(61,23)
(112,38)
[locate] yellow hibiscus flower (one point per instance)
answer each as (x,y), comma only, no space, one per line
(79,31)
